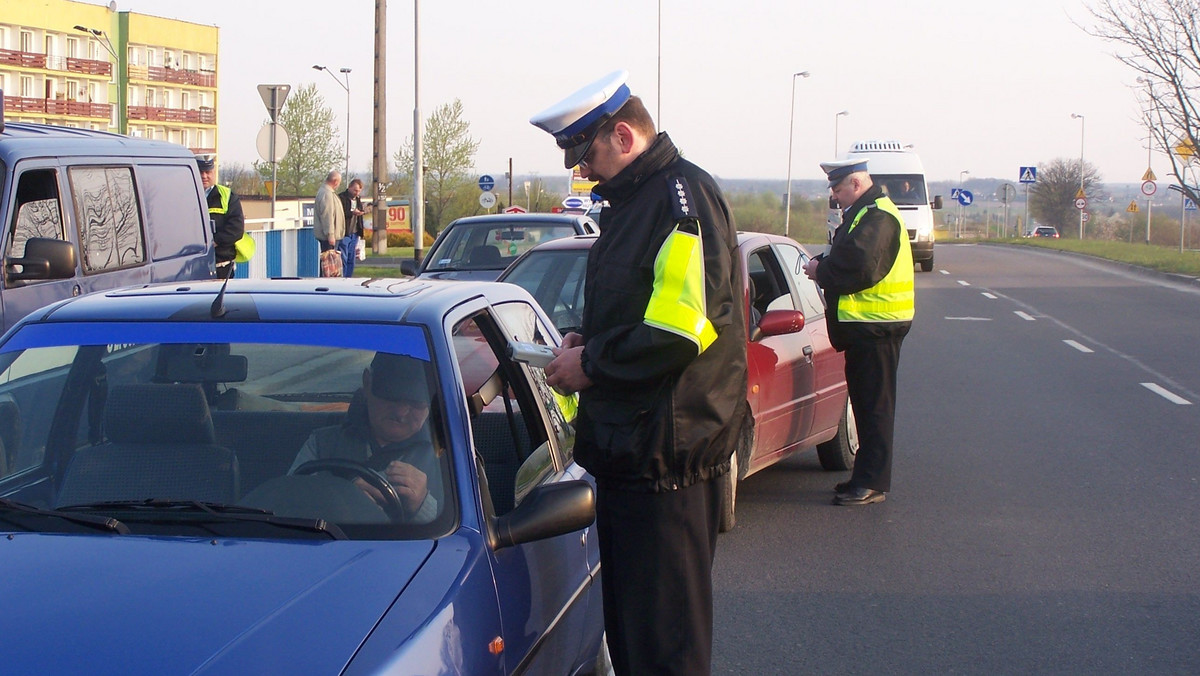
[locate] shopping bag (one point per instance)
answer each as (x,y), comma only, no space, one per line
(360,250)
(331,263)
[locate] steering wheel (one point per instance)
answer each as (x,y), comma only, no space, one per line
(394,508)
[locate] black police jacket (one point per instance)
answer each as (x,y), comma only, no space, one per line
(661,415)
(228,227)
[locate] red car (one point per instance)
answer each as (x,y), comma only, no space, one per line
(797,382)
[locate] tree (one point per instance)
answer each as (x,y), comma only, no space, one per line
(1052,198)
(242,179)
(448,154)
(1160,40)
(313,147)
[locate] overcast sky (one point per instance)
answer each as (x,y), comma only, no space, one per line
(980,85)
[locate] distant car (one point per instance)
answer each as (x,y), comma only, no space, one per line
(797,383)
(478,248)
(157,521)
(1046,231)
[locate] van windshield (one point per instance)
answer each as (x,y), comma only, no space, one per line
(904,189)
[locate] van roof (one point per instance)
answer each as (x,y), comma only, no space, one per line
(888,157)
(20,140)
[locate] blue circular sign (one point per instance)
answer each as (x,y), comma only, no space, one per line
(486,183)
(965,197)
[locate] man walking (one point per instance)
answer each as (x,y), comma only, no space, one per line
(660,367)
(867,275)
(224,215)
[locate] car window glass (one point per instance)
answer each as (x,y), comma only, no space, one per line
(903,189)
(38,212)
(169,192)
(770,288)
(108,217)
(555,279)
(491,245)
(509,437)
(812,304)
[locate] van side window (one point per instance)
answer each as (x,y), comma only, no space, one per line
(107,214)
(169,193)
(39,213)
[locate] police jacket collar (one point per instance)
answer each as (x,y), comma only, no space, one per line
(660,154)
(864,200)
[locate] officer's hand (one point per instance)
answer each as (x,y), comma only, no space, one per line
(810,268)
(570,340)
(565,373)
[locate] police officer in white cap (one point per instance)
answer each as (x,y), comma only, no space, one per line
(867,276)
(660,368)
(224,213)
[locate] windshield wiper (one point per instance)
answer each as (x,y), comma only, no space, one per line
(216,512)
(104,523)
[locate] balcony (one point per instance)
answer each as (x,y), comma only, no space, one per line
(194,78)
(21,104)
(70,64)
(13,57)
(156,114)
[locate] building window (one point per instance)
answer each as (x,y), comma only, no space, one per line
(27,86)
(72,48)
(151,58)
(26,41)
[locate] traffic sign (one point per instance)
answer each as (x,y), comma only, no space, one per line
(1079,194)
(487,200)
(1086,216)
(965,197)
(273,97)
(576,202)
(1188,205)
(1007,192)
(272,152)
(1133,207)
(1028,174)
(954,193)
(486,183)
(1149,175)
(1185,149)
(1080,203)
(1149,187)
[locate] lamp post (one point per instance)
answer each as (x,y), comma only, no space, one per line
(122,112)
(835,130)
(346,85)
(961,174)
(1077,116)
(787,207)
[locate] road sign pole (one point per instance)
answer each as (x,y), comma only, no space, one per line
(1149,213)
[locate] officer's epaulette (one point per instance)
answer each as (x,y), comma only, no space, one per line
(683,208)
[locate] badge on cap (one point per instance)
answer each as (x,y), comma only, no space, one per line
(575,120)
(836,170)
(205,162)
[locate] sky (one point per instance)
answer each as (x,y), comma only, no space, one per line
(979,86)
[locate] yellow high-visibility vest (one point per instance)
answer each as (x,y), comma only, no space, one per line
(224,193)
(677,303)
(892,299)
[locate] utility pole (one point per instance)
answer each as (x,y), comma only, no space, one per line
(379,167)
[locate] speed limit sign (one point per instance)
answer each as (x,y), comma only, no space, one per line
(1080,203)
(1086,216)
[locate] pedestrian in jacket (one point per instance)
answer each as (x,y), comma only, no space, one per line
(867,276)
(224,215)
(660,368)
(329,220)
(352,207)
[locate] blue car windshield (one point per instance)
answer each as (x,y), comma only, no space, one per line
(242,429)
(492,245)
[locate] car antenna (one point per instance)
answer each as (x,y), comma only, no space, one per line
(218,306)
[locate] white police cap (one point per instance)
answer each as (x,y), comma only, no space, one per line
(836,170)
(575,120)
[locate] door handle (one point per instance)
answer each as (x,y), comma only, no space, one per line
(808,353)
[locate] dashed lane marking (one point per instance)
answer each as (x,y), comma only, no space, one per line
(1079,346)
(1024,316)
(962,283)
(944,272)
(1166,394)
(988,295)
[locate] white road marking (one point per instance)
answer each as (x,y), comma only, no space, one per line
(944,272)
(1024,316)
(1169,396)
(988,295)
(970,319)
(964,283)
(1078,346)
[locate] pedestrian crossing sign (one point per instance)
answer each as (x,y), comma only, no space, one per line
(1028,175)
(1133,207)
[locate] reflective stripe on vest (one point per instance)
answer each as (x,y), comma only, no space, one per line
(677,303)
(892,299)
(224,193)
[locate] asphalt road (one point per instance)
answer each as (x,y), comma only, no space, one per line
(1045,510)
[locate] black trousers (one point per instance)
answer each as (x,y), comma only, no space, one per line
(871,379)
(656,558)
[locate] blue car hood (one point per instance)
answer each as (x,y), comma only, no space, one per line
(83,604)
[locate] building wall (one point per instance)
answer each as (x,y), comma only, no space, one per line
(163,85)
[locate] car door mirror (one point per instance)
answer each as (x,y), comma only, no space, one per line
(780,322)
(937,201)
(408,267)
(548,511)
(45,258)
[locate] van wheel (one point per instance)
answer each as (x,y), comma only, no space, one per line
(837,454)
(927,266)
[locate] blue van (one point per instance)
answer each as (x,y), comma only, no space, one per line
(86,210)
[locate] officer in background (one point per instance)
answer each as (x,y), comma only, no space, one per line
(224,214)
(867,276)
(660,367)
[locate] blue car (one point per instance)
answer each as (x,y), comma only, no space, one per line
(199,479)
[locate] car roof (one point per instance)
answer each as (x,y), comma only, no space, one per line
(585,241)
(19,140)
(281,300)
(530,219)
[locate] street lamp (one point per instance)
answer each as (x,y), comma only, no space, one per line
(961,174)
(345,73)
(835,130)
(1077,116)
(122,113)
(787,208)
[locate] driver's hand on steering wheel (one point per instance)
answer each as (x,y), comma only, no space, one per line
(410,483)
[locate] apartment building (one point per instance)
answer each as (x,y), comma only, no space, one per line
(78,64)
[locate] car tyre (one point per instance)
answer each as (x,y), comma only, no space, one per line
(738,461)
(837,454)
(927,265)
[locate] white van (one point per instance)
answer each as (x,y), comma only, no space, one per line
(897,169)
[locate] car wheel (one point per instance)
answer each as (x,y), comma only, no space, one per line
(927,266)
(738,460)
(837,454)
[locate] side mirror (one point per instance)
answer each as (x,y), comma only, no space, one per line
(408,267)
(45,258)
(548,511)
(780,322)
(937,201)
